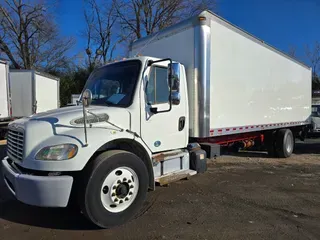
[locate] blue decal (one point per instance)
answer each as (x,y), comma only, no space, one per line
(157,143)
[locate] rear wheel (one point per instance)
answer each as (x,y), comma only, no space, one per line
(270,144)
(115,188)
(285,143)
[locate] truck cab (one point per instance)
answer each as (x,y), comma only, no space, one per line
(130,131)
(315,119)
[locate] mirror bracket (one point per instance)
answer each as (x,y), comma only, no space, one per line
(86,101)
(154,110)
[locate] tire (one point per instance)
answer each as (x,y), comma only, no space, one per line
(114,189)
(272,151)
(270,144)
(285,143)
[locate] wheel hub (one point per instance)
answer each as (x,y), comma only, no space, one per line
(122,190)
(119,189)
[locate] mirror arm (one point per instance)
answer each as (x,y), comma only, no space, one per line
(154,110)
(85,124)
(86,100)
(150,62)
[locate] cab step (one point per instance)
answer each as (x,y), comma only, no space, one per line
(174,176)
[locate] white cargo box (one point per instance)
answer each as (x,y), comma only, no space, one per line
(75,98)
(236,82)
(4,90)
(33,92)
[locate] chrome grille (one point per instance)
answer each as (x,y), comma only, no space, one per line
(15,143)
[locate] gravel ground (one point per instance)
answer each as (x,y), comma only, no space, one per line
(245,196)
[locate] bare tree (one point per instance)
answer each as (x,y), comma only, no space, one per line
(292,51)
(29,37)
(313,55)
(143,17)
(100,24)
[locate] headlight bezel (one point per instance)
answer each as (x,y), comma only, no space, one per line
(44,154)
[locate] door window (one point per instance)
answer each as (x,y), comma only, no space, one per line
(158,88)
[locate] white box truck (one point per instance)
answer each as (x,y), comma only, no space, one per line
(74,99)
(5,106)
(141,119)
(32,92)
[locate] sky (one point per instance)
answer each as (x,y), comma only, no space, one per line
(280,23)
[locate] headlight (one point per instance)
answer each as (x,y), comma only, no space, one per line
(58,152)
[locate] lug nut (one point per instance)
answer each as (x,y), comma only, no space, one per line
(129,181)
(131,186)
(126,199)
(119,181)
(113,194)
(116,200)
(121,201)
(114,187)
(130,193)
(124,179)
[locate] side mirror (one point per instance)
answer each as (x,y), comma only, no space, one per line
(174,79)
(86,98)
(175,98)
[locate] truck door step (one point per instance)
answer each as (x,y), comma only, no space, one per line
(174,176)
(164,156)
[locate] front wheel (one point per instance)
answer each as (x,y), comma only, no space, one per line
(115,187)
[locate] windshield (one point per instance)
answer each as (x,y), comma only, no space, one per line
(315,111)
(113,85)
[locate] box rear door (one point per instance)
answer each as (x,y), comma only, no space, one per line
(4,103)
(21,93)
(46,93)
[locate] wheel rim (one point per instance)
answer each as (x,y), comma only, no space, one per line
(119,189)
(289,144)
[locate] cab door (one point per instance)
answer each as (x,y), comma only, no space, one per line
(163,128)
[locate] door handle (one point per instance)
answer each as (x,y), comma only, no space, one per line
(182,123)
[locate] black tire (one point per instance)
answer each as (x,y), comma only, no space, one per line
(94,176)
(285,143)
(270,144)
(272,153)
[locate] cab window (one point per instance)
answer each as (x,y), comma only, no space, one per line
(157,88)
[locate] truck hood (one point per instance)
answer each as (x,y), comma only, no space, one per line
(65,125)
(315,121)
(73,116)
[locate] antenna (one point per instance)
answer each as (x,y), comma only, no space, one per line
(144,46)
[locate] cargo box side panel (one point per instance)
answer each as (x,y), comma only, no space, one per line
(251,84)
(179,45)
(21,93)
(4,88)
(46,93)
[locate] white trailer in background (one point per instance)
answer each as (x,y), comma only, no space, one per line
(75,98)
(4,91)
(5,106)
(33,92)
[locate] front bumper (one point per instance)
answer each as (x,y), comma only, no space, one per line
(42,191)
